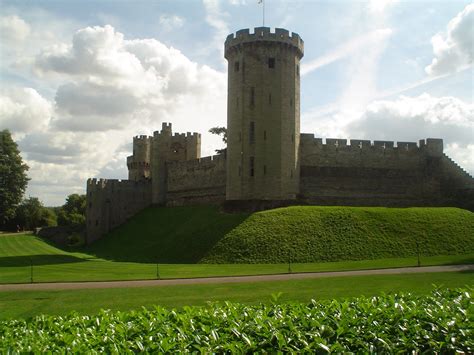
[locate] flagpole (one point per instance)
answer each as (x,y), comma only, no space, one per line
(263,1)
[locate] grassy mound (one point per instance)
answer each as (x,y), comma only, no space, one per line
(301,234)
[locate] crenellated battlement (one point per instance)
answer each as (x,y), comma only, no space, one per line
(431,145)
(196,163)
(264,34)
(98,184)
(142,138)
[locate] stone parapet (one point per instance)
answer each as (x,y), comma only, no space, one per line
(264,34)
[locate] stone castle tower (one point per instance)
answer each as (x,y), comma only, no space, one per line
(263,114)
(139,163)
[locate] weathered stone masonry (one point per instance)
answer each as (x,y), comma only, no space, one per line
(268,161)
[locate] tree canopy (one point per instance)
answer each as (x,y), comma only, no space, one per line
(31,214)
(220,131)
(73,212)
(13,178)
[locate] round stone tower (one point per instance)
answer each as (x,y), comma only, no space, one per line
(263,114)
(139,163)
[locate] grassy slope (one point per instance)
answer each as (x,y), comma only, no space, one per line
(186,235)
(304,234)
(24,304)
(53,264)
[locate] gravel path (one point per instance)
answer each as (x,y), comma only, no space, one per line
(228,279)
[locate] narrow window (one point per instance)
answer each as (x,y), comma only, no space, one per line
(96,222)
(90,204)
(264,170)
(297,70)
(293,138)
(252,133)
(252,96)
(240,136)
(240,170)
(291,173)
(236,66)
(271,63)
(270,98)
(252,166)
(264,135)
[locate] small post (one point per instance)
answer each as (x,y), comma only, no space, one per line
(157,271)
(31,270)
(418,252)
(289,261)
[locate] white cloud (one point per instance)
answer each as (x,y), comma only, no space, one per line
(170,22)
(24,110)
(112,82)
(13,28)
(454,50)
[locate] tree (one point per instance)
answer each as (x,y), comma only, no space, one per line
(13,178)
(73,212)
(220,131)
(31,214)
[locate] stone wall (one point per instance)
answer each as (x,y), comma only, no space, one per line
(198,181)
(111,202)
(378,173)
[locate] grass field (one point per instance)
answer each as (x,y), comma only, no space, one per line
(18,252)
(303,234)
(24,304)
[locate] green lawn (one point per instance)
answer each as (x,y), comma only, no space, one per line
(51,264)
(24,304)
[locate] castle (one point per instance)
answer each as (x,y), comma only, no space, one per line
(268,162)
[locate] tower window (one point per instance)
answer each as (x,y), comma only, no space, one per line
(252,167)
(292,138)
(270,98)
(240,170)
(236,66)
(297,70)
(264,135)
(252,133)
(271,63)
(264,170)
(252,96)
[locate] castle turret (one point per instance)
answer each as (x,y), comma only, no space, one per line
(263,114)
(166,148)
(139,163)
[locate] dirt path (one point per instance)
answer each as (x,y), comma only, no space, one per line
(228,279)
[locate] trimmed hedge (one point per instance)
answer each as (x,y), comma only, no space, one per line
(438,323)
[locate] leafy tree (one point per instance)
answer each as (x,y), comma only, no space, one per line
(73,212)
(31,214)
(220,131)
(13,178)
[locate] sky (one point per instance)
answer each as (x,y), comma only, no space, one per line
(79,79)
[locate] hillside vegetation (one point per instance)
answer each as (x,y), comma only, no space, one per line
(301,234)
